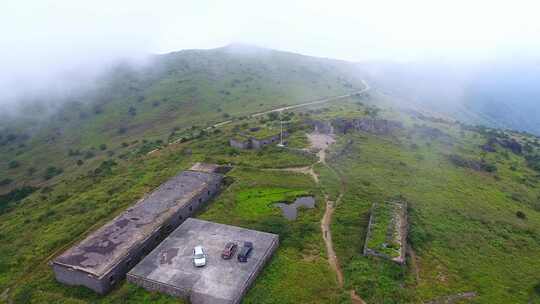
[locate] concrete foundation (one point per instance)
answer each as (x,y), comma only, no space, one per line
(169,268)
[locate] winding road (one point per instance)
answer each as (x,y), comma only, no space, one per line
(285,108)
(316,102)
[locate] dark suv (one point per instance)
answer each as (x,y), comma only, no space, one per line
(244,252)
(229,250)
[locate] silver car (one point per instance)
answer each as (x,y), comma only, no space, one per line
(199,256)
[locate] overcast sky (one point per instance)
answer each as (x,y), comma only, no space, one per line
(40,38)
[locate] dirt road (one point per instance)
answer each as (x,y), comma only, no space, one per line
(321,142)
(327,236)
(315,102)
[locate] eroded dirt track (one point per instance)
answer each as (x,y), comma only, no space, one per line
(321,142)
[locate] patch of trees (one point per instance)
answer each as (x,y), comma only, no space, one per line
(5,182)
(273,116)
(372,111)
(14,164)
(481,165)
(89,154)
(98,110)
(11,138)
(132,111)
(533,161)
(31,171)
(51,172)
(148,146)
(72,152)
(15,195)
(104,169)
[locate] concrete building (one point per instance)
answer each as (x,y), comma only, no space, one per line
(105,256)
(256,139)
(169,268)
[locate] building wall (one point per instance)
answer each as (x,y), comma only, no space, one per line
(152,286)
(202,298)
(253,143)
(104,284)
(239,144)
(260,267)
(75,277)
(261,143)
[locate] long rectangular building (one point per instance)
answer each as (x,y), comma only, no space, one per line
(105,256)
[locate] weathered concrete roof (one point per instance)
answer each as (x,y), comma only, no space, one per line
(106,247)
(220,281)
(205,167)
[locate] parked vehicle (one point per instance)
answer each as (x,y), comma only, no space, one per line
(199,256)
(229,250)
(244,252)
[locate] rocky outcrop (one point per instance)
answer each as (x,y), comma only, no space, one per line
(507,143)
(323,127)
(369,125)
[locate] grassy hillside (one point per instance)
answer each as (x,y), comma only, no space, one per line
(472,229)
(160,100)
(472,193)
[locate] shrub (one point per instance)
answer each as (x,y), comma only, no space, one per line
(74,152)
(15,195)
(273,116)
(13,164)
(537,288)
(132,111)
(89,154)
(52,172)
(6,181)
(31,171)
(103,147)
(521,215)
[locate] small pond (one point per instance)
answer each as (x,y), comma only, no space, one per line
(290,211)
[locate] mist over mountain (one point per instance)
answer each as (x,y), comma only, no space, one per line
(504,94)
(500,93)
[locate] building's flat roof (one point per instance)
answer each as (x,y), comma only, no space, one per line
(106,247)
(220,281)
(205,167)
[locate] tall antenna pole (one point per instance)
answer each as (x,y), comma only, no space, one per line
(281,136)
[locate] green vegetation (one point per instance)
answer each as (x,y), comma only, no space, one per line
(257,202)
(178,91)
(473,193)
(66,212)
(299,272)
(464,227)
(383,234)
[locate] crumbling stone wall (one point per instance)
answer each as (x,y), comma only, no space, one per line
(401,226)
(369,125)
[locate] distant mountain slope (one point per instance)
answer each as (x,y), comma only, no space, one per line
(508,95)
(499,94)
(168,93)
